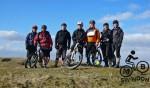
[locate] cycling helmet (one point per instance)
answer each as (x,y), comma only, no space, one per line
(92,22)
(115,22)
(44,27)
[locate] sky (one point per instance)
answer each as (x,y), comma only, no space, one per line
(18,16)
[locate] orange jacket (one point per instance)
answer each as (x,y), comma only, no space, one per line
(92,36)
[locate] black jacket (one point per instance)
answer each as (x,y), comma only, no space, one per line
(78,35)
(106,37)
(117,36)
(63,38)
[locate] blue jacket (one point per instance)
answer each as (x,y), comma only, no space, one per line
(29,42)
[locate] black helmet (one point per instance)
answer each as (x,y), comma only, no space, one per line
(44,27)
(34,27)
(64,24)
(105,24)
(132,52)
(92,22)
(115,22)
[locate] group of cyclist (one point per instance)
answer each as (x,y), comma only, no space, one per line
(110,42)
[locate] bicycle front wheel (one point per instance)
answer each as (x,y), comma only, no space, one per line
(33,61)
(72,61)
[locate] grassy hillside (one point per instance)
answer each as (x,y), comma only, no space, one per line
(14,75)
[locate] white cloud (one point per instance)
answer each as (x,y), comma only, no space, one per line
(138,42)
(125,16)
(144,28)
(137,39)
(143,15)
(133,6)
(11,36)
(119,16)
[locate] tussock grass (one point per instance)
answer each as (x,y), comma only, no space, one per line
(14,75)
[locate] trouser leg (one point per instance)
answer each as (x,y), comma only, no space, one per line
(58,55)
(118,56)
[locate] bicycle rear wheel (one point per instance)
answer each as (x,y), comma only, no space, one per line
(33,61)
(72,61)
(94,57)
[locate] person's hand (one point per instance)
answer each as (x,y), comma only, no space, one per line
(27,47)
(68,47)
(107,40)
(50,49)
(56,46)
(97,44)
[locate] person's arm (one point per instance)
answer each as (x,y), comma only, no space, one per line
(36,39)
(26,41)
(82,36)
(111,37)
(56,39)
(98,37)
(69,40)
(50,41)
(85,37)
(74,36)
(121,37)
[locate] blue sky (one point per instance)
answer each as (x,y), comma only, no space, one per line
(18,16)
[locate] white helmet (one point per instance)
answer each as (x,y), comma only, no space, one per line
(79,23)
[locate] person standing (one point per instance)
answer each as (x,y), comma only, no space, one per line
(78,37)
(29,42)
(92,40)
(62,43)
(45,42)
(118,34)
(106,42)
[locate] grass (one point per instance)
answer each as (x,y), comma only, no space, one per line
(14,75)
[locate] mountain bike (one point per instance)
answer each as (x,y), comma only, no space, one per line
(74,58)
(96,55)
(32,63)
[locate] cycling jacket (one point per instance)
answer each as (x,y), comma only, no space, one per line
(29,42)
(44,39)
(92,35)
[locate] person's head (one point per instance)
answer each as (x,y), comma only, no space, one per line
(63,26)
(92,24)
(106,26)
(132,52)
(80,24)
(34,28)
(115,23)
(44,27)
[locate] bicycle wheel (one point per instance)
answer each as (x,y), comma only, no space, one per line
(72,61)
(33,61)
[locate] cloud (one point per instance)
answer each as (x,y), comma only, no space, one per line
(138,42)
(11,36)
(125,16)
(144,28)
(143,15)
(133,6)
(119,16)
(137,39)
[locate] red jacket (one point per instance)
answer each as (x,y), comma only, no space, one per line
(44,39)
